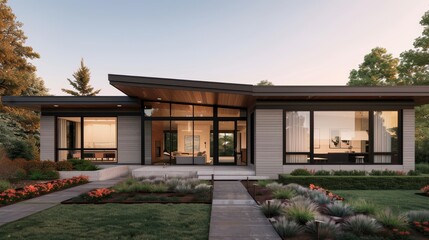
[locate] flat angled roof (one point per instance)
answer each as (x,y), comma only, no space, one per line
(194,91)
(51,102)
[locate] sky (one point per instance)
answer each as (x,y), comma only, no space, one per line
(238,41)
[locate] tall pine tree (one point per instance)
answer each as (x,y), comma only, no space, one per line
(81,83)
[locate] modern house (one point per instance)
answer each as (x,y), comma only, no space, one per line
(272,129)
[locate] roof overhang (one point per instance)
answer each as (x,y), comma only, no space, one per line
(228,94)
(38,103)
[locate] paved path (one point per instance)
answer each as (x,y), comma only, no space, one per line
(26,208)
(235,215)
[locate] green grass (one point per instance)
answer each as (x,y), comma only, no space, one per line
(397,200)
(113,221)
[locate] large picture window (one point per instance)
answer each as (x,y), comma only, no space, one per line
(98,134)
(342,137)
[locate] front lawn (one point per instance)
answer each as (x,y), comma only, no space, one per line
(397,200)
(114,221)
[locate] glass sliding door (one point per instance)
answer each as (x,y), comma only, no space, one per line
(226,142)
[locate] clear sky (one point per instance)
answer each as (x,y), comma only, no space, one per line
(241,41)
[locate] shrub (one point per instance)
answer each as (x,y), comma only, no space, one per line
(301,210)
(284,193)
(348,173)
(33,165)
(418,216)
(362,225)
(202,188)
(414,173)
(44,175)
(286,228)
(4,185)
(20,149)
(48,166)
(264,182)
(339,209)
(64,166)
(364,207)
(423,168)
(319,197)
(184,189)
(9,170)
(83,165)
(322,173)
(359,182)
(274,186)
(133,185)
(273,209)
(300,172)
(391,220)
(327,228)
(386,173)
(172,183)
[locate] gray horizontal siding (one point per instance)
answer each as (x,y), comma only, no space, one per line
(129,139)
(409,139)
(47,138)
(269,142)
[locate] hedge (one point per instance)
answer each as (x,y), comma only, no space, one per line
(358,182)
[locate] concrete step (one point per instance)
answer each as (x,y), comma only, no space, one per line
(226,172)
(232,177)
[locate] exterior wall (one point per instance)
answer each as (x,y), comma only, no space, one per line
(129,139)
(47,138)
(408,120)
(269,142)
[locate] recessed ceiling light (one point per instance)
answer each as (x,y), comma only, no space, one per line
(199,101)
(56,105)
(159,99)
(119,105)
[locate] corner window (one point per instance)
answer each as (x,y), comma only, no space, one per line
(297,137)
(386,137)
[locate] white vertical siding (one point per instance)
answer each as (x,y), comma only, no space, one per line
(129,139)
(408,139)
(47,138)
(269,142)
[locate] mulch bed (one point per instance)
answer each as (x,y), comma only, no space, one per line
(140,197)
(262,194)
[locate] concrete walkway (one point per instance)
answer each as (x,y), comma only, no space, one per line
(235,215)
(26,208)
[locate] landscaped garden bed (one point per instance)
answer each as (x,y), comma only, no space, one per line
(312,212)
(11,195)
(149,190)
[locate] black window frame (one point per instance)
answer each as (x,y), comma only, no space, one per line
(82,149)
(370,153)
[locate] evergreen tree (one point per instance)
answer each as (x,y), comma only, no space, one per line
(81,83)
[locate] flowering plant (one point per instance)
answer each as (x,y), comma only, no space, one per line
(328,193)
(10,196)
(425,189)
(422,227)
(98,194)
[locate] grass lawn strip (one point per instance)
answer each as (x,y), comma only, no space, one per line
(113,221)
(397,200)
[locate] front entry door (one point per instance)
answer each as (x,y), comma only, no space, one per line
(226,143)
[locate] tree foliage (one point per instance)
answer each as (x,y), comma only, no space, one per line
(412,68)
(19,128)
(81,82)
(264,83)
(378,69)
